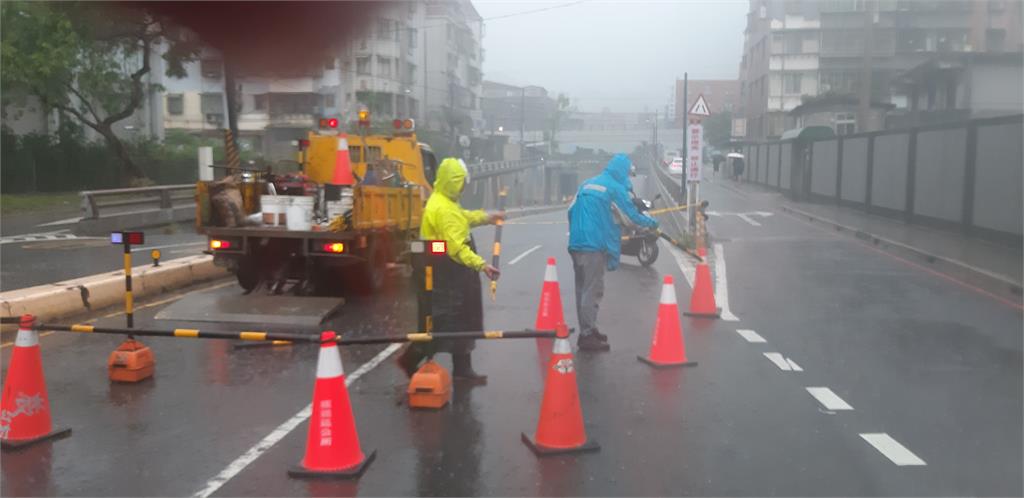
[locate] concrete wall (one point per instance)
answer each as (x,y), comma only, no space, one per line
(998,178)
(786,164)
(773,165)
(889,179)
(823,172)
(855,169)
(939,177)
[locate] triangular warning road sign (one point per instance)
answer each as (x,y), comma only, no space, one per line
(700,107)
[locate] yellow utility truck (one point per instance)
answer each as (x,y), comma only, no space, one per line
(331,224)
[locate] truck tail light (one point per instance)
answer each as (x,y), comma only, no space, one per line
(216,244)
(334,247)
(438,247)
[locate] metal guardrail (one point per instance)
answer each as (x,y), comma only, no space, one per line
(155,198)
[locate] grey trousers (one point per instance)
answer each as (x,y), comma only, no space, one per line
(588,269)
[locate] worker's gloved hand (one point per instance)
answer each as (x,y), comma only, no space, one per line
(494,217)
(491,272)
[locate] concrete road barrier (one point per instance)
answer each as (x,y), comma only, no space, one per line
(80,295)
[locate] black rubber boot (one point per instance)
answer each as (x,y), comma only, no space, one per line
(592,342)
(462,369)
(410,359)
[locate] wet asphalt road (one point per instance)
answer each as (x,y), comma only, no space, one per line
(935,366)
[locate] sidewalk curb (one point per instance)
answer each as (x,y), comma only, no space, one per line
(999,284)
(80,295)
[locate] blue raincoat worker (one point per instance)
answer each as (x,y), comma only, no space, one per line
(457,304)
(595,241)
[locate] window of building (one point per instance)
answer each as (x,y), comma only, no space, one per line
(212,103)
(410,73)
(910,40)
(259,102)
(995,40)
(414,35)
(794,43)
(329,100)
(383,67)
(211,68)
(175,104)
(793,7)
(384,31)
(363,43)
(791,83)
(363,66)
(845,123)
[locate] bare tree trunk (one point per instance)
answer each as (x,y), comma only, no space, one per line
(131,170)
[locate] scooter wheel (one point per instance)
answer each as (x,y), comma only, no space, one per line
(648,253)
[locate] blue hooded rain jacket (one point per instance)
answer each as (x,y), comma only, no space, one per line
(592,226)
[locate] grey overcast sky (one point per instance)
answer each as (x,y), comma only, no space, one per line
(617,54)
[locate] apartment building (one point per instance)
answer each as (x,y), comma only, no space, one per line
(453,66)
(509,108)
(798,50)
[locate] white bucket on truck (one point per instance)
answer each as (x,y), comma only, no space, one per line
(300,213)
(273,207)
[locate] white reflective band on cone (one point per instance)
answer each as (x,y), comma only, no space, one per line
(342,143)
(328,365)
(561,347)
(26,338)
(551,273)
(668,294)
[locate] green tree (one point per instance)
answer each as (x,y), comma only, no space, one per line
(89,61)
(718,129)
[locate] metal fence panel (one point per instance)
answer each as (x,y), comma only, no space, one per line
(824,169)
(939,177)
(998,178)
(773,165)
(855,169)
(889,180)
(785,165)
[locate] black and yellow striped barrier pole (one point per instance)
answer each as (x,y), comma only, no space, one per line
(682,207)
(496,252)
(231,152)
(126,240)
(294,336)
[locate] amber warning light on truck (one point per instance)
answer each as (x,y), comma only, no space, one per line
(438,247)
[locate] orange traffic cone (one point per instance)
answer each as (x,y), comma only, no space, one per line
(702,300)
(667,346)
(25,406)
(549,311)
(342,163)
(332,443)
(560,428)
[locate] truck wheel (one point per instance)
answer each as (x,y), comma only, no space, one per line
(248,274)
(370,275)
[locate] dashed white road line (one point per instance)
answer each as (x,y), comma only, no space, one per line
(66,221)
(748,219)
(892,449)
(524,254)
(750,335)
(784,364)
(722,286)
(828,399)
(282,430)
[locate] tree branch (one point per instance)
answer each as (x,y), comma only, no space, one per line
(136,97)
(84,101)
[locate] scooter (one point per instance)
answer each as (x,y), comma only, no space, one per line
(640,241)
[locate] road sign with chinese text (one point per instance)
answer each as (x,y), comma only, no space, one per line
(694,152)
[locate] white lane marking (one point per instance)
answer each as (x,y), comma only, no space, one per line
(684,264)
(748,219)
(722,286)
(282,430)
(828,399)
(66,221)
(750,335)
(784,364)
(523,255)
(892,449)
(186,244)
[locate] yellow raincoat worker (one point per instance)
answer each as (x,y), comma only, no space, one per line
(457,304)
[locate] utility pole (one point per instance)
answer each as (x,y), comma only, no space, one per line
(686,127)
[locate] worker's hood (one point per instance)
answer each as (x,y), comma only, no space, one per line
(451,177)
(618,169)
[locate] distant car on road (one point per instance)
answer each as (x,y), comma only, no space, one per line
(676,166)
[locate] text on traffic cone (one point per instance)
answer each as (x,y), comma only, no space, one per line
(549,310)
(667,346)
(25,406)
(332,442)
(560,425)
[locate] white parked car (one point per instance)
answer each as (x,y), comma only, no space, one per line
(676,166)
